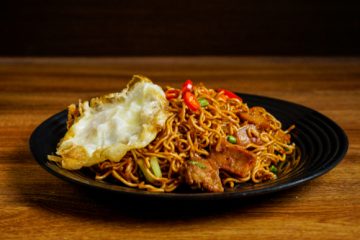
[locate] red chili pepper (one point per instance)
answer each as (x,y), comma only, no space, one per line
(191,101)
(229,94)
(172,93)
(187,86)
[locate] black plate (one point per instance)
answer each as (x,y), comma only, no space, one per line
(322,143)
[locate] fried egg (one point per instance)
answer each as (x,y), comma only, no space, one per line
(106,128)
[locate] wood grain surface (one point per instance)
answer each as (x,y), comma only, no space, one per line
(37,205)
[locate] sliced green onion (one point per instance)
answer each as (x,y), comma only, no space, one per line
(155,167)
(203,102)
(286,149)
(145,171)
(282,164)
(231,139)
(198,164)
(273,169)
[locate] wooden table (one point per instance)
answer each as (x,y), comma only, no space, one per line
(37,205)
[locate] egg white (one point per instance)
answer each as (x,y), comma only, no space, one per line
(110,126)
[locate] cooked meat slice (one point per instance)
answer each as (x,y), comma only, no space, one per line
(256,117)
(233,159)
(204,174)
(243,137)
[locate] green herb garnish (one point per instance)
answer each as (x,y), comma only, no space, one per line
(203,102)
(155,167)
(198,164)
(231,139)
(273,169)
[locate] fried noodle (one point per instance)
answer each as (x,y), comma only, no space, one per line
(188,134)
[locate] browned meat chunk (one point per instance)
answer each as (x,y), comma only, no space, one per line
(256,117)
(204,174)
(243,137)
(234,159)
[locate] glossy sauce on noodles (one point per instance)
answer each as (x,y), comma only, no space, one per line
(196,130)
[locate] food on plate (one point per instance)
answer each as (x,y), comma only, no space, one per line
(159,139)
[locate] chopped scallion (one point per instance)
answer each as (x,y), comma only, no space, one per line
(231,139)
(203,102)
(198,164)
(273,169)
(145,171)
(155,167)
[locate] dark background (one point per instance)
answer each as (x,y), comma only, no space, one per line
(204,27)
